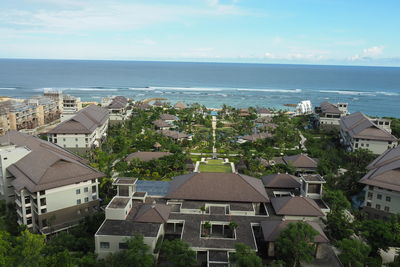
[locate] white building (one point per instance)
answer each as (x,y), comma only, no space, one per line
(359,131)
(304,107)
(382,185)
(52,188)
(70,107)
(85,130)
(119,109)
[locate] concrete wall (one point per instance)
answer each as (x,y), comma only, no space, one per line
(393,204)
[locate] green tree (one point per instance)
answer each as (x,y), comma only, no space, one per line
(28,249)
(245,257)
(296,243)
(138,254)
(336,200)
(338,225)
(178,253)
(6,258)
(354,253)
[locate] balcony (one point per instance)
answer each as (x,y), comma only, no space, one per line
(18,202)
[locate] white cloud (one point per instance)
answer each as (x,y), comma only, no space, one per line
(373,51)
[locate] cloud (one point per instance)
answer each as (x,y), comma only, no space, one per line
(373,51)
(311,55)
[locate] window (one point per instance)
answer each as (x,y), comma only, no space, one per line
(104,244)
(64,139)
(86,199)
(370,195)
(86,189)
(378,207)
(78,201)
(94,197)
(78,191)
(42,192)
(388,199)
(76,145)
(93,181)
(76,139)
(367,145)
(379,196)
(43,210)
(386,208)
(368,204)
(28,211)
(43,202)
(123,245)
(94,189)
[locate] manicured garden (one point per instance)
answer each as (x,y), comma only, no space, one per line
(215,165)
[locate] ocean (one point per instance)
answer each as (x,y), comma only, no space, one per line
(372,90)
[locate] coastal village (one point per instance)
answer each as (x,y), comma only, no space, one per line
(153,183)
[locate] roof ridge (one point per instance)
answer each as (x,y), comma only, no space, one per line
(251,185)
(309,201)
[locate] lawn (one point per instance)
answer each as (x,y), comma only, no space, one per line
(215,166)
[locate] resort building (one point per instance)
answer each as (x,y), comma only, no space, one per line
(119,109)
(180,105)
(52,188)
(265,113)
(162,125)
(84,131)
(382,185)
(70,107)
(254,137)
(177,136)
(212,212)
(328,114)
(359,131)
(168,118)
(304,108)
(302,162)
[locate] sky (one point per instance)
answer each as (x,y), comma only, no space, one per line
(344,32)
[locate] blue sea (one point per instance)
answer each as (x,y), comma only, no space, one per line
(373,90)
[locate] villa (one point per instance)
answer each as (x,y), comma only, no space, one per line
(329,114)
(52,188)
(84,131)
(212,212)
(302,163)
(180,105)
(118,109)
(161,125)
(382,185)
(174,135)
(359,131)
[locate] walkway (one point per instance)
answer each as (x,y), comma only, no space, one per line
(214,126)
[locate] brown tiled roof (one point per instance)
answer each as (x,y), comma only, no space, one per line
(327,107)
(158,213)
(173,134)
(385,171)
(301,161)
(168,117)
(257,136)
(84,122)
(180,105)
(296,206)
(360,126)
(271,230)
(264,111)
(161,124)
(147,156)
(128,228)
(280,180)
(217,187)
(118,102)
(47,165)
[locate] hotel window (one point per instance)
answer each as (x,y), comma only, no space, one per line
(388,199)
(378,207)
(104,244)
(368,204)
(379,196)
(86,189)
(386,208)
(86,199)
(78,191)
(44,210)
(370,195)
(78,201)
(94,189)
(43,202)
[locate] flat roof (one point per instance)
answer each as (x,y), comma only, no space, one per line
(153,188)
(312,178)
(125,181)
(118,202)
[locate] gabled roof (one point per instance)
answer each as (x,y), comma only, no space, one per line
(264,111)
(118,102)
(157,213)
(161,124)
(84,122)
(168,117)
(385,171)
(217,187)
(47,165)
(147,156)
(360,126)
(301,161)
(256,136)
(327,107)
(280,180)
(296,206)
(173,134)
(180,105)
(272,229)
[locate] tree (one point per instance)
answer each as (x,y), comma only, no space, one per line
(245,257)
(138,254)
(29,249)
(338,225)
(178,253)
(296,243)
(354,253)
(336,200)
(6,258)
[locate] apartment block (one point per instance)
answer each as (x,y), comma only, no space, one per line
(70,106)
(84,131)
(359,131)
(52,188)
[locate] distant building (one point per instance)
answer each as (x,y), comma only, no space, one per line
(304,107)
(265,113)
(382,185)
(52,188)
(84,131)
(161,125)
(329,114)
(119,109)
(302,162)
(178,136)
(359,131)
(70,106)
(180,105)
